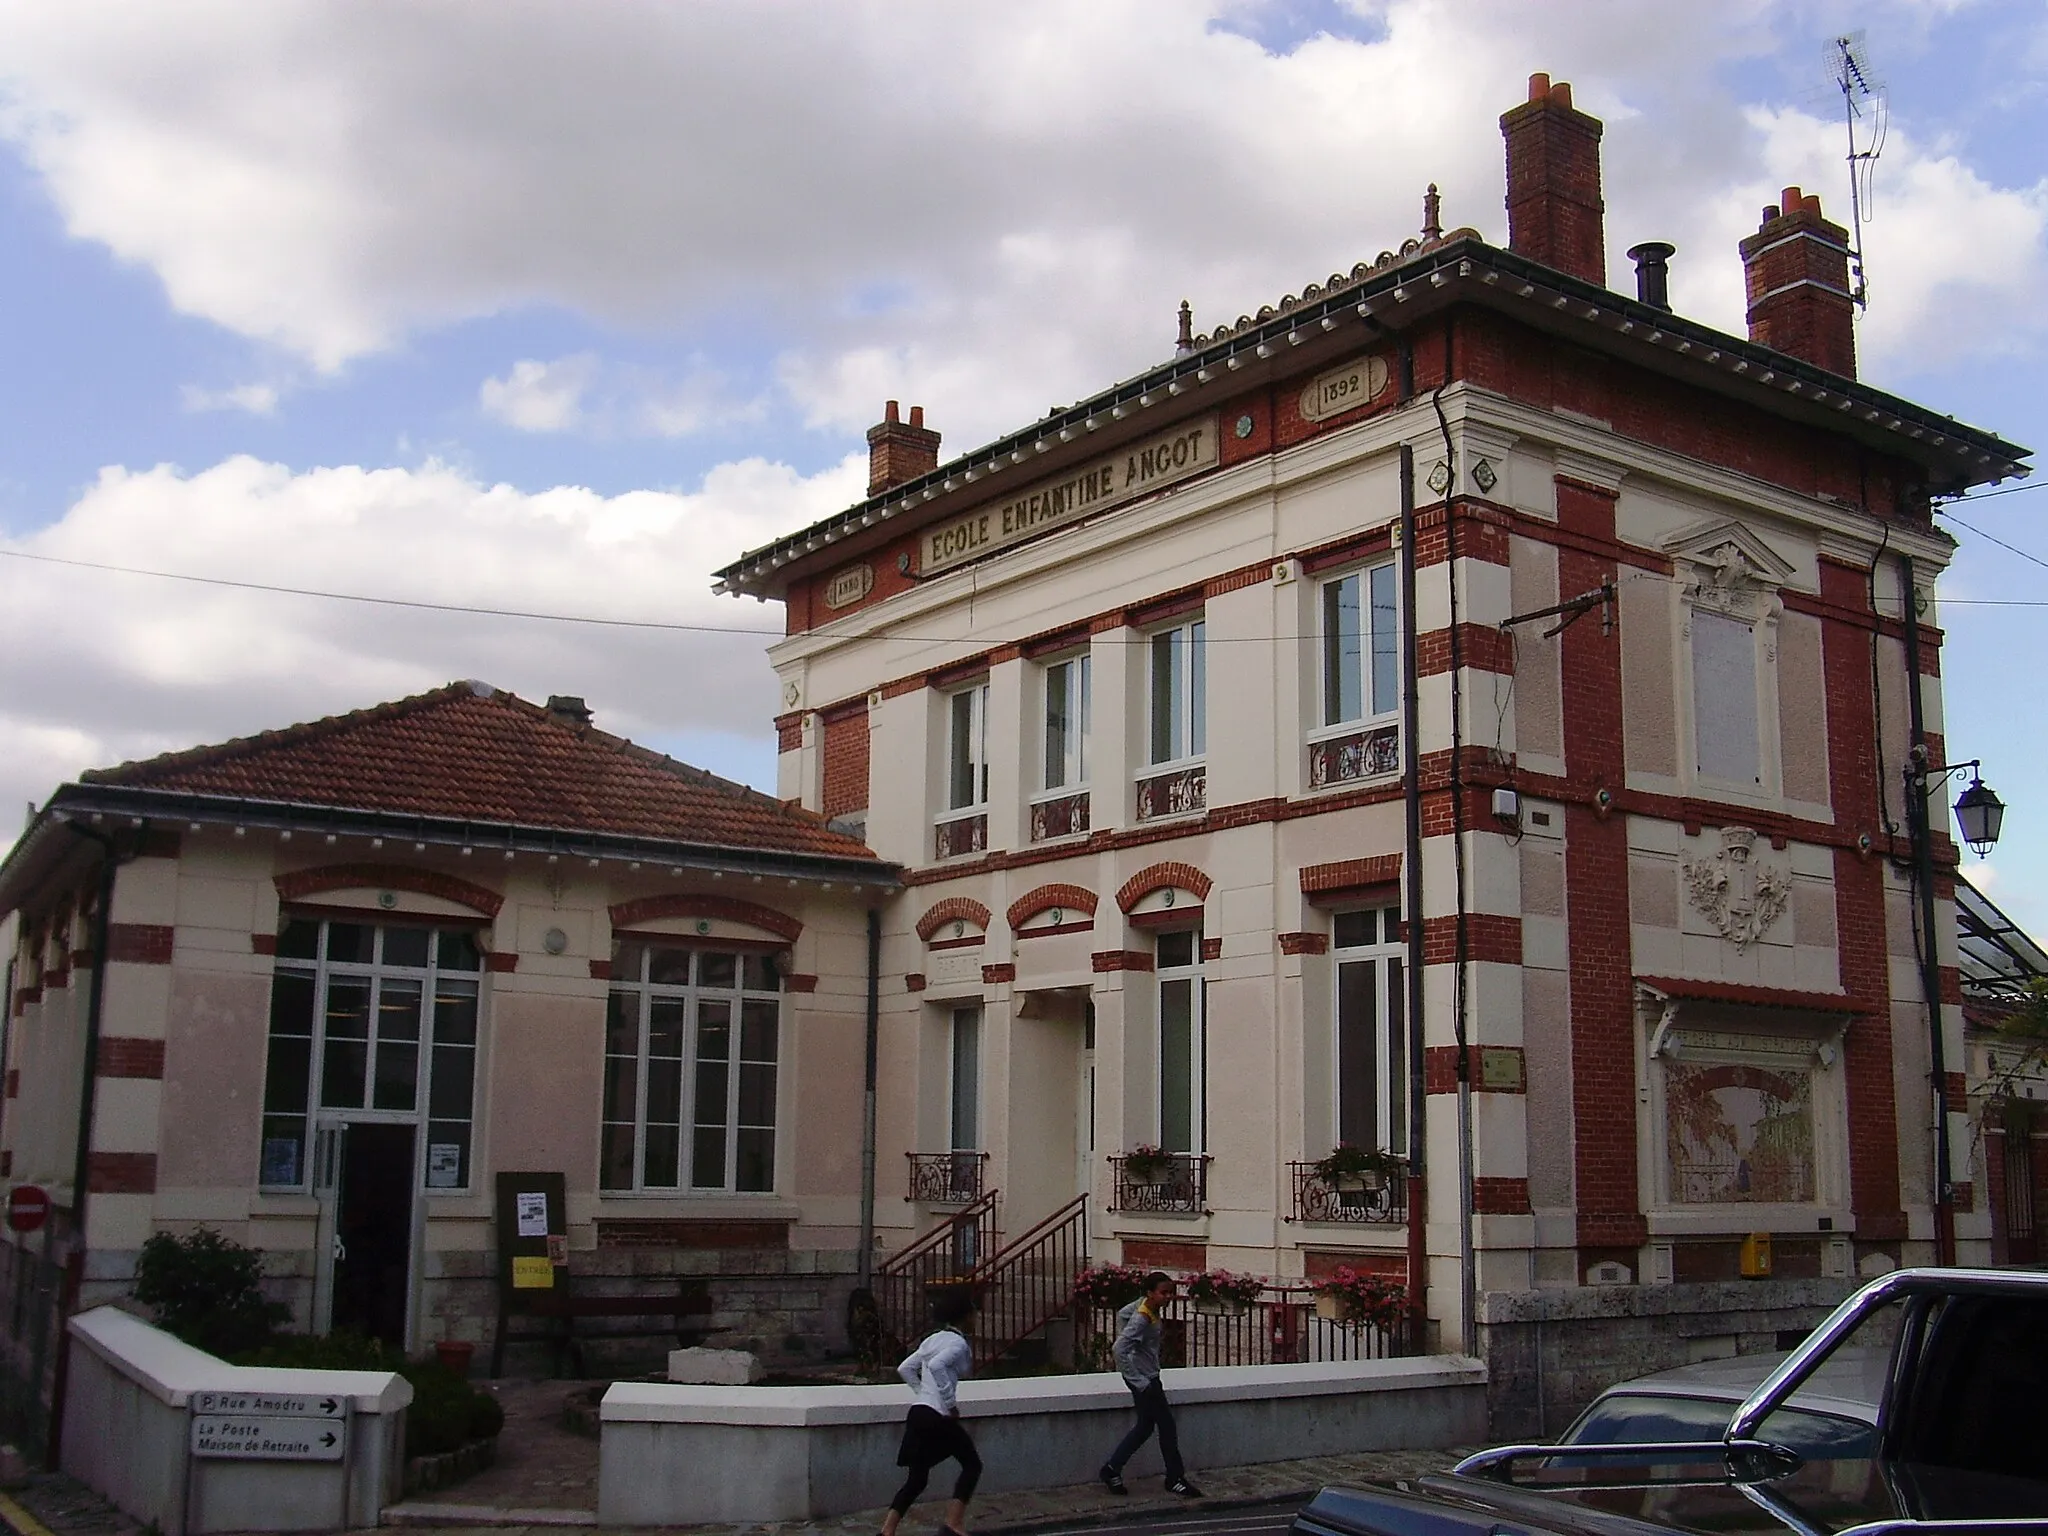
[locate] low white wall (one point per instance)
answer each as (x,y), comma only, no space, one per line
(685,1455)
(128,1426)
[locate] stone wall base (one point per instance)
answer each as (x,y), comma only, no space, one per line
(1550,1353)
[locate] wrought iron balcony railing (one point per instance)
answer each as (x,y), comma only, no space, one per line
(946,1178)
(1380,1198)
(1176,1183)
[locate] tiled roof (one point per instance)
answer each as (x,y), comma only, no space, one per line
(468,752)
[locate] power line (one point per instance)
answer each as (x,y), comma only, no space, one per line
(2009,548)
(2010,490)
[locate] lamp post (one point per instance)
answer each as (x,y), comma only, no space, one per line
(1981,815)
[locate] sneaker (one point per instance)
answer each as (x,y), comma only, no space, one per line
(1113,1480)
(1184,1488)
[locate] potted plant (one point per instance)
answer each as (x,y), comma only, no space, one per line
(1109,1285)
(1359,1297)
(1147,1164)
(1351,1169)
(1220,1292)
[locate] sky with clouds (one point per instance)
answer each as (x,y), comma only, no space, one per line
(554,308)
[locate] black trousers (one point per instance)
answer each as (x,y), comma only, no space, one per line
(1153,1413)
(930,1437)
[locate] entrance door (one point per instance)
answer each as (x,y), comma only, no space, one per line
(373,1229)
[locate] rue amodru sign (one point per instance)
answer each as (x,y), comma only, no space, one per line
(270,1426)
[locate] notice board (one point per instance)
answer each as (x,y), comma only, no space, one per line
(533,1231)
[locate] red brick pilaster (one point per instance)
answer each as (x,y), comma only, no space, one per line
(1596,899)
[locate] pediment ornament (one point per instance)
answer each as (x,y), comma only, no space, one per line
(1738,892)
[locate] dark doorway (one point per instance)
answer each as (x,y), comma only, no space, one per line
(373,1221)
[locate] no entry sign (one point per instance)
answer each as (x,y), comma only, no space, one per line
(28,1207)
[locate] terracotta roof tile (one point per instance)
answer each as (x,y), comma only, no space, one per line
(471,753)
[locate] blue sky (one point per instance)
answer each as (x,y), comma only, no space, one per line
(558,308)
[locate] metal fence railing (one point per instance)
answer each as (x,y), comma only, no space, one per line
(1175,1183)
(1377,1198)
(1283,1327)
(946,1178)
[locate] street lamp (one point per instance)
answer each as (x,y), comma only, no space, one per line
(1981,815)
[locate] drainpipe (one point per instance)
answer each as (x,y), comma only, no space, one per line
(867,1130)
(1411,901)
(6,1037)
(1921,831)
(102,922)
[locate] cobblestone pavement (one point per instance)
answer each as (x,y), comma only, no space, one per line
(62,1507)
(541,1465)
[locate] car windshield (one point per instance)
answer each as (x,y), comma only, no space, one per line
(1644,1418)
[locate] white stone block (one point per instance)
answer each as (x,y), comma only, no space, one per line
(714,1367)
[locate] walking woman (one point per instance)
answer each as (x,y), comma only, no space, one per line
(933,1432)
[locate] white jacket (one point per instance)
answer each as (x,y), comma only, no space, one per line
(933,1370)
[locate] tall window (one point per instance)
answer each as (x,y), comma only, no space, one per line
(966,1075)
(359,1013)
(1179,688)
(1724,698)
(967,748)
(1372,1088)
(1360,647)
(1066,724)
(1183,1043)
(691,1046)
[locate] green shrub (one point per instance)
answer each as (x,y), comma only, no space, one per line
(447,1412)
(207,1290)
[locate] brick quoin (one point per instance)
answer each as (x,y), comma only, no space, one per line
(1351,874)
(1488,936)
(140,943)
(1482,535)
(846,761)
(1045,898)
(1496,1196)
(998,975)
(1104,960)
(913,981)
(1596,901)
(1481,647)
(127,1056)
(647,909)
(300,883)
(121,1173)
(952,909)
(1440,1068)
(1160,877)
(789,732)
(1304,943)
(1859,912)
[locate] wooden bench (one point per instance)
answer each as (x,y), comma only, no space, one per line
(562,1311)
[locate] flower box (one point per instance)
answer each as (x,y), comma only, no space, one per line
(1218,1306)
(1333,1308)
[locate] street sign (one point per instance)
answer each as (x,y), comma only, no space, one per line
(263,1437)
(28,1207)
(297,1405)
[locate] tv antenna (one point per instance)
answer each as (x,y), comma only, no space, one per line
(1865,115)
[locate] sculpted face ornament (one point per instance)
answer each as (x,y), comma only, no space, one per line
(1739,893)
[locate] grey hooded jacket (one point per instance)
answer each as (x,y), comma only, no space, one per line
(1137,1345)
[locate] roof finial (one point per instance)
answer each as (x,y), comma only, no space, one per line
(1185,342)
(1432,214)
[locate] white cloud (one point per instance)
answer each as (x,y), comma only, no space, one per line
(256,399)
(540,397)
(1034,188)
(97,668)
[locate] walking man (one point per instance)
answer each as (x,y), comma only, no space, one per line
(932,1432)
(1137,1357)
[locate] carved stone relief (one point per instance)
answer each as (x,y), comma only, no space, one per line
(1739,893)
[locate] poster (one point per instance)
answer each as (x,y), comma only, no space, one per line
(532,1273)
(280,1160)
(533,1213)
(444,1165)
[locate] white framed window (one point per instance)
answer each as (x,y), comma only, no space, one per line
(1371,1034)
(692,1049)
(362,1017)
(1183,1042)
(965,1114)
(1066,723)
(967,748)
(1359,640)
(1178,695)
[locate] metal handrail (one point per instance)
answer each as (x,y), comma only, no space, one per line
(1491,1462)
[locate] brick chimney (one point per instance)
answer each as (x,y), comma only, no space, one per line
(1555,212)
(899,453)
(1796,270)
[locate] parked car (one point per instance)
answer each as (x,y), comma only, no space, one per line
(1960,1441)
(1832,1417)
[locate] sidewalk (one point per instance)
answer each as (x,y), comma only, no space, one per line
(57,1506)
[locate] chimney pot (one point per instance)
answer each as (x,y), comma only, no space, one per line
(1769,214)
(1652,260)
(1555,212)
(900,451)
(1790,201)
